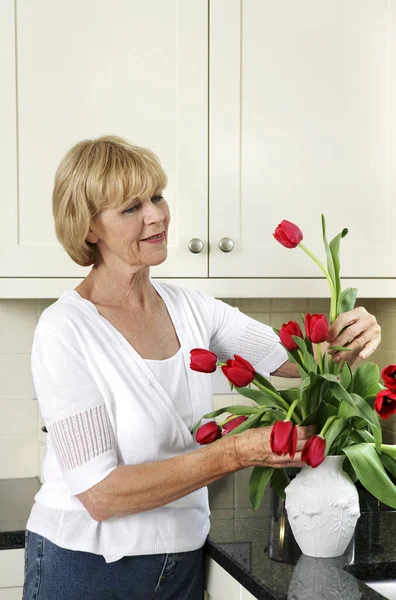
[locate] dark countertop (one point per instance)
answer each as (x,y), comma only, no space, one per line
(258,548)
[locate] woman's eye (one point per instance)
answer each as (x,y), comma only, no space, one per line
(131,209)
(157,198)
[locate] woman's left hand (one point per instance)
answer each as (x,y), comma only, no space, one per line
(357,330)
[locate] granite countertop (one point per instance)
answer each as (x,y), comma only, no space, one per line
(258,548)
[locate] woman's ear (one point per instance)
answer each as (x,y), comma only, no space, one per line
(92,237)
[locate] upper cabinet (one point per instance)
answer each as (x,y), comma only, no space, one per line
(73,70)
(259,110)
(302,122)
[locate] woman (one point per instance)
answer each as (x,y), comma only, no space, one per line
(123,512)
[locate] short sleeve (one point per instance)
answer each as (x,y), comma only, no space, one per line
(233,332)
(73,409)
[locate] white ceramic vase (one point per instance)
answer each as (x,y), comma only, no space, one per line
(323,508)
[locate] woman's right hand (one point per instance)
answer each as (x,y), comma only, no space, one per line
(253,449)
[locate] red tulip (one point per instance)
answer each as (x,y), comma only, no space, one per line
(208,433)
(288,234)
(316,328)
(203,361)
(385,403)
(283,438)
(239,371)
(287,331)
(313,452)
(389,376)
(230,425)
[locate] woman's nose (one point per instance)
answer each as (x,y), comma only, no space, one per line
(153,214)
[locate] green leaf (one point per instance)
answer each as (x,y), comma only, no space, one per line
(389,463)
(349,470)
(265,383)
(258,482)
(346,376)
(250,422)
(336,388)
(361,409)
(330,263)
(340,348)
(310,393)
(365,377)
(362,435)
(333,432)
(234,410)
(310,363)
(371,472)
(347,300)
(262,397)
(280,481)
(335,250)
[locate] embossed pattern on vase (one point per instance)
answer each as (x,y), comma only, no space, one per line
(323,508)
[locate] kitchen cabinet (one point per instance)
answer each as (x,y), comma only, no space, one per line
(220,584)
(302,121)
(73,70)
(259,111)
(12,573)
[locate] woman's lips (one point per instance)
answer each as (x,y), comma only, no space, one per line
(155,239)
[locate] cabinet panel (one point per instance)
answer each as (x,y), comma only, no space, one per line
(74,70)
(309,127)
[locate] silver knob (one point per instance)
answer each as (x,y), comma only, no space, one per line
(226,244)
(195,245)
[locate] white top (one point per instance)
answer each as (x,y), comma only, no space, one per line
(104,406)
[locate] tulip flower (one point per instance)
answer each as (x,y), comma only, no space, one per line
(208,433)
(283,438)
(288,234)
(203,361)
(233,423)
(316,328)
(287,331)
(313,452)
(238,371)
(385,403)
(389,376)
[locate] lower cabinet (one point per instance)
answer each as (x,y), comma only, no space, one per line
(220,585)
(11,574)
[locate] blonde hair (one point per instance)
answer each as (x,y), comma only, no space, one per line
(94,174)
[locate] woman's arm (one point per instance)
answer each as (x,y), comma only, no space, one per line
(131,489)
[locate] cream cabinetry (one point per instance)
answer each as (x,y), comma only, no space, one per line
(220,585)
(73,70)
(11,574)
(258,110)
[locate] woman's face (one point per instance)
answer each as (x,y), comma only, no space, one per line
(127,234)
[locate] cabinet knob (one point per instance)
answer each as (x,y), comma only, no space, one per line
(226,244)
(195,245)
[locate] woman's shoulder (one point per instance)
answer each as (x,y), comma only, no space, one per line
(61,316)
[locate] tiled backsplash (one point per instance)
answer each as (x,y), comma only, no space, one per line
(19,415)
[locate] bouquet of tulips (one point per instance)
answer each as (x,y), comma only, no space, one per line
(346,406)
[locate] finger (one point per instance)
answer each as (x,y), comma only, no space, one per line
(370,348)
(344,320)
(285,461)
(369,337)
(352,331)
(305,431)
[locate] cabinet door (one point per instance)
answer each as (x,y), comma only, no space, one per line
(73,70)
(302,122)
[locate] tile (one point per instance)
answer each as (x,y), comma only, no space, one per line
(382,358)
(15,375)
(253,305)
(289,304)
(387,322)
(19,416)
(262,317)
(18,320)
(19,457)
(230,301)
(221,530)
(221,493)
(242,489)
(318,305)
(389,436)
(279,318)
(43,304)
(222,401)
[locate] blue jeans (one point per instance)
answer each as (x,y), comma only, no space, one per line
(55,573)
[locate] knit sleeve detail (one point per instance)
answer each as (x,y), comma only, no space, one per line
(233,332)
(80,433)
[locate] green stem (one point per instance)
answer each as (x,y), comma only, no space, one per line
(327,425)
(301,355)
(333,308)
(271,393)
(291,410)
(320,365)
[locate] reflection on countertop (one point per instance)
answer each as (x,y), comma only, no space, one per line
(258,548)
